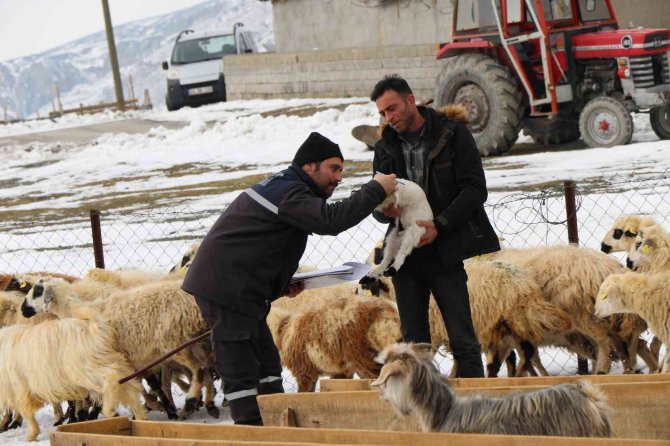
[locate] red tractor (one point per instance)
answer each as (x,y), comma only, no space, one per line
(556,68)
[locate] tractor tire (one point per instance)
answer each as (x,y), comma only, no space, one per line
(659,118)
(491,95)
(557,131)
(605,122)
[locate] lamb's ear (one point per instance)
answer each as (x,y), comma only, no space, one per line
(648,244)
(389,370)
(49,296)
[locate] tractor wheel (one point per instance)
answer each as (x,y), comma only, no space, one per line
(555,131)
(491,96)
(660,121)
(605,122)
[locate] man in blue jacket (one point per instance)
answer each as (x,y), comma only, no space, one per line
(435,149)
(248,257)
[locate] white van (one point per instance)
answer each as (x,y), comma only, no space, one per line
(195,72)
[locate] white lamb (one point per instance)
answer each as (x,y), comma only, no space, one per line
(647,295)
(621,236)
(37,368)
(413,204)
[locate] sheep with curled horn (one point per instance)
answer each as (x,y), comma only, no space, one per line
(411,383)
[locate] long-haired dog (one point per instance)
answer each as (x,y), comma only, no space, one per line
(411,383)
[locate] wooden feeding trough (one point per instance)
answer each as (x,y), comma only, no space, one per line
(641,407)
(122,431)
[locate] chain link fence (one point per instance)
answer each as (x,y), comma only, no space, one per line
(157,240)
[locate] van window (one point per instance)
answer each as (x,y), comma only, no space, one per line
(206,48)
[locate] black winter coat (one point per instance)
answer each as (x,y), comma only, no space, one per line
(454,183)
(250,254)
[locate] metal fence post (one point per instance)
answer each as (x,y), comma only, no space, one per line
(97,239)
(569,187)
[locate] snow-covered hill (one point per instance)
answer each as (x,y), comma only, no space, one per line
(82,68)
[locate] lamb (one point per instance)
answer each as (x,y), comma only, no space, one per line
(334,336)
(645,294)
(569,277)
(414,207)
(411,383)
(124,278)
(651,251)
(29,380)
(186,259)
(621,236)
(149,321)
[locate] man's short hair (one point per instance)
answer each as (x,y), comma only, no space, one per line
(390,82)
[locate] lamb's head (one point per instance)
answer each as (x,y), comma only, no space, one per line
(608,301)
(647,242)
(41,296)
(18,284)
(407,370)
(185,262)
(621,236)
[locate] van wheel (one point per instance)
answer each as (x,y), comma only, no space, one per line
(605,122)
(169,105)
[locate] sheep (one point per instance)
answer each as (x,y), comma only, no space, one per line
(29,380)
(411,383)
(186,260)
(149,321)
(569,277)
(413,204)
(334,336)
(647,295)
(123,279)
(621,236)
(651,251)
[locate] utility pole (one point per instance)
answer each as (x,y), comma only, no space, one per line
(118,87)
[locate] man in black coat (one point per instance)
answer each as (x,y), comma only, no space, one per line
(248,257)
(435,150)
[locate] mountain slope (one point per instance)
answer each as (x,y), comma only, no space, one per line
(82,67)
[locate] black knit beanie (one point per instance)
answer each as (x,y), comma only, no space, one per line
(316,148)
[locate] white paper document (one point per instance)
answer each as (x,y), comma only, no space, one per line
(332,276)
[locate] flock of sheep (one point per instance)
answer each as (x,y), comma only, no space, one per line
(67,339)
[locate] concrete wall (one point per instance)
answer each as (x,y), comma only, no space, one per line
(333,73)
(307,25)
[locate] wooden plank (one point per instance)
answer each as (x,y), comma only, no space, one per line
(640,410)
(346,385)
(108,426)
(178,434)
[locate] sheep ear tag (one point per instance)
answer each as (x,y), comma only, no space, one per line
(645,249)
(23,284)
(604,295)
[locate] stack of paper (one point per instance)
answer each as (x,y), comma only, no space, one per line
(332,276)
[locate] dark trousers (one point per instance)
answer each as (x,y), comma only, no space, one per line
(245,357)
(422,273)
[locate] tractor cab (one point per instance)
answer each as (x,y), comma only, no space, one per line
(557,56)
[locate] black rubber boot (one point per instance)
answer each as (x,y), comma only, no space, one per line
(246,411)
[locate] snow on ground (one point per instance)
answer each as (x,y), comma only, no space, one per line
(241,138)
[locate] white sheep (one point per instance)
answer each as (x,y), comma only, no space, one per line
(569,277)
(621,236)
(651,251)
(645,294)
(149,321)
(412,384)
(123,278)
(334,335)
(411,199)
(37,368)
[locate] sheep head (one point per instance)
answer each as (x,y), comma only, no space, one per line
(406,368)
(642,251)
(41,296)
(608,301)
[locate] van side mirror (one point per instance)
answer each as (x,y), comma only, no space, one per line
(165,65)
